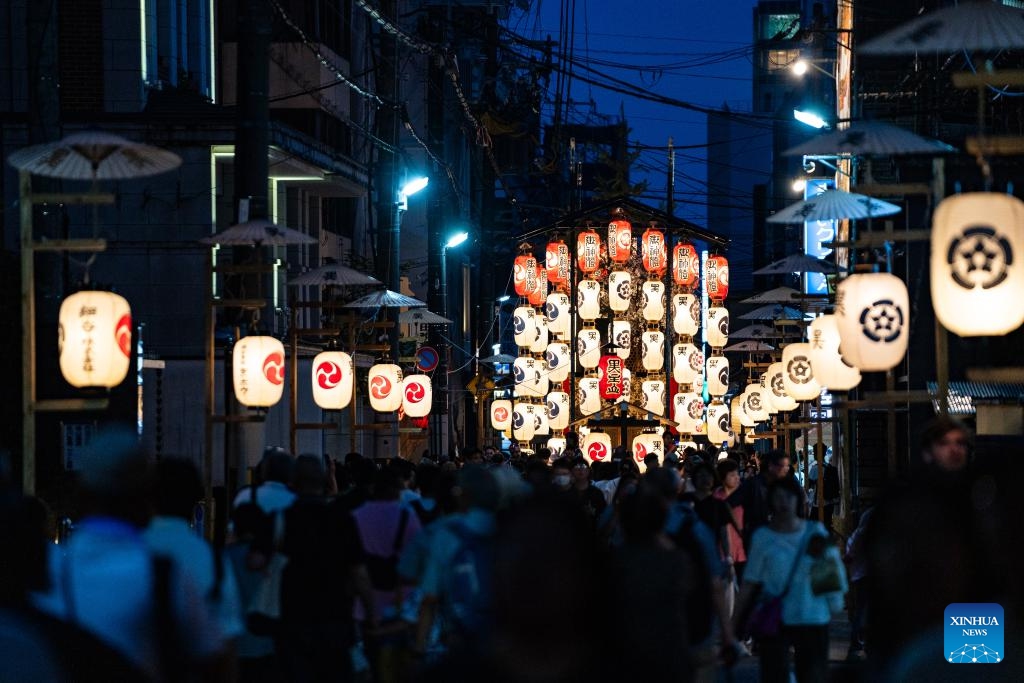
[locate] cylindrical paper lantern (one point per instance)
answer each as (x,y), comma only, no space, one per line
(558,361)
(333,380)
(524,325)
(718,326)
(620,240)
(384,382)
(588,251)
(739,415)
(654,350)
(528,377)
(830,369)
(622,338)
(872,310)
(627,386)
(688,412)
(556,445)
(558,312)
(95,340)
(588,299)
(977,277)
(687,363)
(717,278)
(597,447)
(524,274)
(653,302)
(798,377)
(685,314)
(523,424)
(588,395)
(718,426)
(557,261)
(652,396)
(258,371)
(417,395)
(539,294)
(776,381)
(557,403)
(685,266)
(588,348)
(654,251)
(718,375)
(620,290)
(610,378)
(766,392)
(754,403)
(644,444)
(542,425)
(501,414)
(540,338)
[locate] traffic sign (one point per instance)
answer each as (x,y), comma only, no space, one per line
(426,358)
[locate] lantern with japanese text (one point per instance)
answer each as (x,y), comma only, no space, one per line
(653,350)
(417,395)
(588,347)
(645,444)
(524,274)
(556,445)
(384,385)
(780,398)
(558,312)
(872,311)
(588,251)
(524,325)
(597,447)
(685,314)
(718,423)
(258,371)
(541,424)
(620,240)
(766,393)
(739,416)
(333,380)
(653,301)
(620,290)
(798,377)
(588,395)
(754,403)
(688,363)
(688,412)
(610,377)
(718,326)
(557,404)
(977,277)
(540,332)
(94,340)
(627,386)
(557,262)
(558,361)
(685,266)
(539,294)
(652,396)
(717,278)
(527,375)
(621,337)
(501,414)
(588,299)
(718,375)
(523,425)
(830,369)
(654,251)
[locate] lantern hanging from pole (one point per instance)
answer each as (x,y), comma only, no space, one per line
(620,290)
(384,385)
(644,444)
(501,414)
(557,262)
(717,278)
(588,348)
(258,371)
(332,380)
(523,424)
(417,395)
(688,412)
(588,299)
(588,395)
(781,399)
(654,251)
(558,312)
(685,314)
(830,369)
(528,377)
(685,265)
(597,447)
(621,337)
(541,425)
(610,377)
(717,330)
(766,393)
(653,302)
(718,427)
(557,404)
(739,417)
(627,386)
(872,310)
(798,377)
(688,363)
(588,251)
(524,274)
(653,350)
(652,396)
(556,445)
(540,339)
(524,325)
(977,278)
(718,375)
(620,240)
(95,339)
(557,357)
(754,402)
(539,295)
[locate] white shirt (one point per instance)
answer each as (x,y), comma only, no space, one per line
(271,496)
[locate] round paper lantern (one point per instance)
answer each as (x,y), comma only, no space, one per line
(780,397)
(739,416)
(558,313)
(557,404)
(556,445)
(718,375)
(718,427)
(830,369)
(384,385)
(644,444)
(557,357)
(627,385)
(588,348)
(524,325)
(588,299)
(501,414)
(620,290)
(258,371)
(523,424)
(597,447)
(754,403)
(557,262)
(94,340)
(654,251)
(620,240)
(588,395)
(333,380)
(977,278)
(798,376)
(717,278)
(541,425)
(653,350)
(540,332)
(417,395)
(685,314)
(872,310)
(588,251)
(539,294)
(652,396)
(609,370)
(622,338)
(653,303)
(688,412)
(687,363)
(766,393)
(718,326)
(528,377)
(685,265)
(524,274)
(420,422)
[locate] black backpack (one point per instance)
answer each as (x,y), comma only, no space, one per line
(384,570)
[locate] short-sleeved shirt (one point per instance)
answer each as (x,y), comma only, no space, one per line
(377,523)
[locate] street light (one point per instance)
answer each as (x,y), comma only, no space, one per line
(801,66)
(410,188)
(810,118)
(454,241)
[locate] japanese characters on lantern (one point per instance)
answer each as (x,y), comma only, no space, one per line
(95,339)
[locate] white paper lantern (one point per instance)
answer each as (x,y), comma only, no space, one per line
(766,392)
(685,314)
(977,278)
(523,424)
(557,403)
(683,445)
(781,399)
(524,325)
(588,348)
(530,379)
(597,447)
(740,417)
(652,396)
(384,386)
(588,299)
(333,380)
(556,445)
(558,312)
(717,331)
(798,376)
(542,425)
(588,395)
(501,414)
(645,444)
(718,424)
(653,350)
(620,290)
(653,303)
(718,375)
(872,310)
(417,395)
(688,412)
(754,402)
(622,334)
(830,369)
(558,361)
(627,386)
(258,371)
(94,339)
(687,363)
(540,339)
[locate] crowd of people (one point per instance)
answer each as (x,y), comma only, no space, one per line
(498,566)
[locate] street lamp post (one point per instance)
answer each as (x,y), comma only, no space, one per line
(393,281)
(452,242)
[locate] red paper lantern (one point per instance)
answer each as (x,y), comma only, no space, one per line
(420,422)
(525,274)
(655,252)
(611,384)
(685,265)
(620,240)
(717,278)
(557,262)
(588,251)
(539,295)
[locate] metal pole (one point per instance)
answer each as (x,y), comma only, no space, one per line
(444,441)
(28,338)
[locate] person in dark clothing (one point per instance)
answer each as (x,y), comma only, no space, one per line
(587,495)
(829,481)
(753,493)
